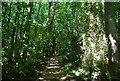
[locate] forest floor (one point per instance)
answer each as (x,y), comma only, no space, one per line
(53,71)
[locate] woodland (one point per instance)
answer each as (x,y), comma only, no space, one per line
(60,41)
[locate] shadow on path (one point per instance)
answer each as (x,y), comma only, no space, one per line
(53,71)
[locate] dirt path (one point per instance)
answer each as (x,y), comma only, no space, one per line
(53,71)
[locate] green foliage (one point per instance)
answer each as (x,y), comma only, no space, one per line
(34,32)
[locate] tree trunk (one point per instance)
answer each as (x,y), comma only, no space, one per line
(13,39)
(28,24)
(111,34)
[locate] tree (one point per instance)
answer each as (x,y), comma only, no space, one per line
(111,34)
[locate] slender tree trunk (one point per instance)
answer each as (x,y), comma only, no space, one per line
(50,33)
(28,24)
(37,19)
(9,13)
(13,39)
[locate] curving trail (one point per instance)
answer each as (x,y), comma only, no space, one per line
(53,71)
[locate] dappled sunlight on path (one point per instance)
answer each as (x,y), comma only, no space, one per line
(53,71)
